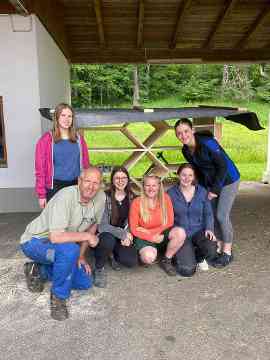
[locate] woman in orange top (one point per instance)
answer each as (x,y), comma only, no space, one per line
(150,220)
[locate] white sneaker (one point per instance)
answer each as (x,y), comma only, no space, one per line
(203,266)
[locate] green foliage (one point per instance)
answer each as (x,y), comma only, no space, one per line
(198,90)
(263,92)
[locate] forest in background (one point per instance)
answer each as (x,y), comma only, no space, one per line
(123,85)
(245,86)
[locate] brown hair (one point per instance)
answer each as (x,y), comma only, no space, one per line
(183,121)
(188,166)
(130,195)
(56,131)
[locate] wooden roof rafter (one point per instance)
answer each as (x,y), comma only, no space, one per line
(140,24)
(224,13)
(253,27)
(20,7)
(178,26)
(100,22)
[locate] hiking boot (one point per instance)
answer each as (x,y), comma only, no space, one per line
(100,278)
(203,265)
(167,266)
(114,264)
(222,260)
(59,309)
(32,274)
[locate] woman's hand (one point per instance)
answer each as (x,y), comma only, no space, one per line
(128,240)
(210,235)
(211,195)
(42,203)
(158,238)
(139,228)
(84,263)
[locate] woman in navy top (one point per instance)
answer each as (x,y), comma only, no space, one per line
(193,213)
(219,175)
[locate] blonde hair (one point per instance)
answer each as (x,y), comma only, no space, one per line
(56,130)
(144,203)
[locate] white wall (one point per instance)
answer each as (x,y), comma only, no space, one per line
(53,71)
(33,73)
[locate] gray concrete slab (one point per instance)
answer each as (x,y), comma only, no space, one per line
(143,314)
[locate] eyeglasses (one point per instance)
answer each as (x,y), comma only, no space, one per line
(124,178)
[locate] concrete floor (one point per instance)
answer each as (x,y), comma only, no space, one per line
(143,314)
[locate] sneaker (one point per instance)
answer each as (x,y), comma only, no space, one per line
(222,260)
(59,309)
(32,274)
(167,266)
(203,265)
(114,264)
(100,278)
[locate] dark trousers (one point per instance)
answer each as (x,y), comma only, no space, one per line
(195,249)
(108,244)
(58,185)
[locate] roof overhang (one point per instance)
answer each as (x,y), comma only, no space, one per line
(154,31)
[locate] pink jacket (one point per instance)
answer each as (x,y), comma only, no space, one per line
(44,162)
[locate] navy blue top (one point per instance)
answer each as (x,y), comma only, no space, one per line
(66,160)
(193,216)
(215,168)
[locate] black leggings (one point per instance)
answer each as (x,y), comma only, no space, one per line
(58,185)
(195,249)
(125,255)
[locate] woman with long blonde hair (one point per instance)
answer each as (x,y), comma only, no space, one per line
(61,154)
(150,219)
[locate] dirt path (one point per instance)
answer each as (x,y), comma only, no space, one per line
(143,314)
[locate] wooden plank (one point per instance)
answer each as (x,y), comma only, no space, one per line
(178,26)
(132,138)
(104,128)
(224,13)
(253,27)
(99,19)
(133,149)
(95,56)
(203,121)
(51,14)
(140,24)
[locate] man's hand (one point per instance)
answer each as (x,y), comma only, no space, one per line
(92,229)
(83,262)
(92,240)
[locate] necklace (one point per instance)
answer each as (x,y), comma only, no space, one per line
(120,197)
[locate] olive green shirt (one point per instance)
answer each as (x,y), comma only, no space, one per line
(65,212)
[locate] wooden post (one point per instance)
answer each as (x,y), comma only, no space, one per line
(266,174)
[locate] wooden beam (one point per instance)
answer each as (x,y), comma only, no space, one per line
(140,24)
(253,27)
(20,7)
(7,8)
(96,55)
(178,26)
(224,13)
(51,14)
(99,19)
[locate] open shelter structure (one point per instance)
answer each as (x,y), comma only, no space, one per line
(39,39)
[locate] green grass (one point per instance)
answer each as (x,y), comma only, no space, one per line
(247,148)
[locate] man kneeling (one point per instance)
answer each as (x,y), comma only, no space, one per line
(53,240)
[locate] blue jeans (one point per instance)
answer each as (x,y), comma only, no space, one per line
(58,263)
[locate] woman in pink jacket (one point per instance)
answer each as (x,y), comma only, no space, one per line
(60,155)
